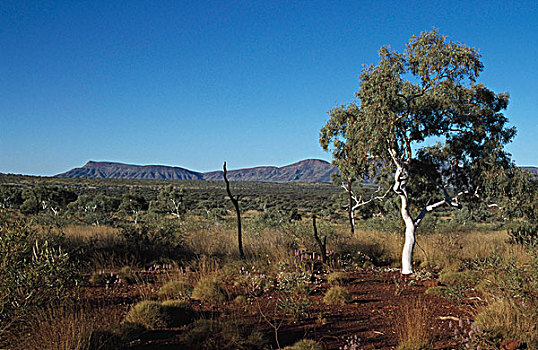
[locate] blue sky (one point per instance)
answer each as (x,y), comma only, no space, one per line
(194,83)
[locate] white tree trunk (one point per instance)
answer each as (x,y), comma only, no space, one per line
(409,244)
(400,184)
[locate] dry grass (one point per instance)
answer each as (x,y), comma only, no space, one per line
(83,234)
(411,327)
(66,327)
(506,319)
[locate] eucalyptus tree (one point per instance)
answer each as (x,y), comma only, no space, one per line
(133,203)
(422,119)
(170,200)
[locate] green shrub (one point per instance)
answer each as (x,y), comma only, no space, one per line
(216,334)
(175,290)
(179,312)
(208,290)
(34,269)
(304,344)
(337,295)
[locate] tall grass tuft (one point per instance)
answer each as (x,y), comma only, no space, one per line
(411,327)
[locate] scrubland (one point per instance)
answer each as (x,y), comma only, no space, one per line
(166,283)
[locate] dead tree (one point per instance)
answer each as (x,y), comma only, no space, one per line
(235,202)
(322,244)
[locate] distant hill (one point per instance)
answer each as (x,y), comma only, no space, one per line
(128,171)
(532,169)
(310,170)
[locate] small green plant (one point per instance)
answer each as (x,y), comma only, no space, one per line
(305,344)
(337,295)
(294,305)
(208,290)
(175,290)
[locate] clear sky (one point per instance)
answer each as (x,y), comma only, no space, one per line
(194,83)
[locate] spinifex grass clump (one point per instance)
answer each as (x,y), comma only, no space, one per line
(337,278)
(208,290)
(150,314)
(412,327)
(337,295)
(175,290)
(179,312)
(223,334)
(304,344)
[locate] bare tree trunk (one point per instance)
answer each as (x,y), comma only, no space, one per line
(400,183)
(350,210)
(322,244)
(235,202)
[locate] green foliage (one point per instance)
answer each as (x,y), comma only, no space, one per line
(33,270)
(226,335)
(10,197)
(133,203)
(169,201)
(94,209)
(44,197)
(208,290)
(337,295)
(152,241)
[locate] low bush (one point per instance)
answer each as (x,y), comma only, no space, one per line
(337,295)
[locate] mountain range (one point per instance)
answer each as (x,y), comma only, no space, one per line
(309,170)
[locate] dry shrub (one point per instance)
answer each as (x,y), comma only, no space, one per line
(71,328)
(411,327)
